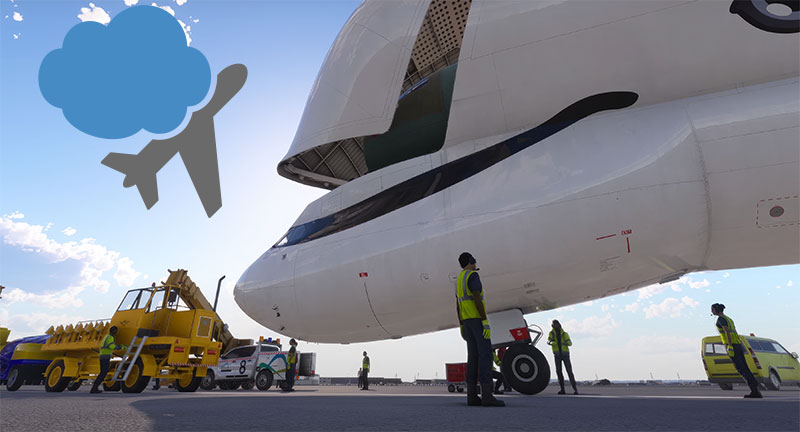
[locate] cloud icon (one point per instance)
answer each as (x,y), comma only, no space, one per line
(136,73)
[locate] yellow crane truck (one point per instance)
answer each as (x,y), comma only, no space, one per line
(171,333)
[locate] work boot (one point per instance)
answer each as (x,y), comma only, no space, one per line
(472,395)
(562,390)
(486,396)
(95,390)
(755,393)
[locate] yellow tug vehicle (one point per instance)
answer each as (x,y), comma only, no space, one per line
(170,331)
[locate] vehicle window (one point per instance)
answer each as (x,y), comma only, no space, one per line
(269,348)
(720,349)
(756,345)
(234,353)
(158,300)
(709,348)
(778,348)
(767,346)
(134,299)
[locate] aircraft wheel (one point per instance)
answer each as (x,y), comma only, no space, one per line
(726,386)
(208,381)
(451,388)
(56,381)
(526,369)
(774,382)
(15,379)
(264,380)
(188,383)
(136,381)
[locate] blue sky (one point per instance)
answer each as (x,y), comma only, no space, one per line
(74,239)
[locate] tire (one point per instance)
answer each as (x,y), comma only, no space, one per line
(224,385)
(460,389)
(264,380)
(525,368)
(137,381)
(189,384)
(248,385)
(774,381)
(111,387)
(56,382)
(726,386)
(207,383)
(75,385)
(15,379)
(451,388)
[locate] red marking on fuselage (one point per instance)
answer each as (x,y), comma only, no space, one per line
(600,238)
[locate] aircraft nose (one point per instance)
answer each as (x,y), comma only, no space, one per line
(265,292)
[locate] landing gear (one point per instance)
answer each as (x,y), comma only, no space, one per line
(526,369)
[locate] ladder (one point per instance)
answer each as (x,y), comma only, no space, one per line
(129,359)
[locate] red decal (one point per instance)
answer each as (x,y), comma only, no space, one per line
(600,238)
(629,244)
(364,274)
(520,333)
(626,232)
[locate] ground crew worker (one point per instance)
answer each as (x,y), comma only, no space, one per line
(365,372)
(735,350)
(560,341)
(291,366)
(108,346)
(475,330)
(497,376)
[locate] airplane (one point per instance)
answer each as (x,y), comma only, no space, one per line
(577,149)
(196,145)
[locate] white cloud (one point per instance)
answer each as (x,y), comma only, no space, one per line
(125,274)
(699,284)
(181,2)
(95,259)
(131,2)
(16,35)
(36,323)
(726,275)
(633,307)
(671,307)
(15,215)
(604,308)
(650,291)
(790,283)
(94,13)
(48,226)
(662,344)
(187,30)
(69,231)
(18,16)
(593,325)
(195,20)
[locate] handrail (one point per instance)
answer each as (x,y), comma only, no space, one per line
(539,332)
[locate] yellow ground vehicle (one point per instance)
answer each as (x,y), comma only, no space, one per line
(169,335)
(771,364)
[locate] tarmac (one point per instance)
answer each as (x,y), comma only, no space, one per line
(402,408)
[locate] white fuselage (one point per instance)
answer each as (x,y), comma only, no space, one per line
(619,200)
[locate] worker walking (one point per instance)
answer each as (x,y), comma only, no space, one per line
(365,372)
(475,330)
(560,341)
(734,347)
(107,348)
(291,366)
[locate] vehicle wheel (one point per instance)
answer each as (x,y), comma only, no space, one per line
(460,389)
(248,385)
(525,368)
(136,381)
(224,385)
(56,381)
(451,388)
(111,386)
(15,379)
(726,386)
(208,381)
(774,382)
(188,383)
(264,380)
(75,385)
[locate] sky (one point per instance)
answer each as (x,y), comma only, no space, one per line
(74,240)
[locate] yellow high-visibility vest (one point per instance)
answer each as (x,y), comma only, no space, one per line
(466,303)
(732,329)
(552,339)
(108,345)
(365,364)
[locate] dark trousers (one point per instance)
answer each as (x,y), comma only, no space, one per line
(365,380)
(564,357)
(290,374)
(499,380)
(105,361)
(741,366)
(479,353)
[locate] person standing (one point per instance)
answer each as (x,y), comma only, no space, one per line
(497,376)
(560,341)
(291,365)
(727,330)
(475,331)
(107,348)
(365,372)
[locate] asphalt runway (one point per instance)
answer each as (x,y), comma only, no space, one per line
(325,408)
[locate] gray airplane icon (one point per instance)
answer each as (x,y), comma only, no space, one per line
(196,145)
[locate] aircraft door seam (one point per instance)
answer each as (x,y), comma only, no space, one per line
(706,186)
(366,291)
